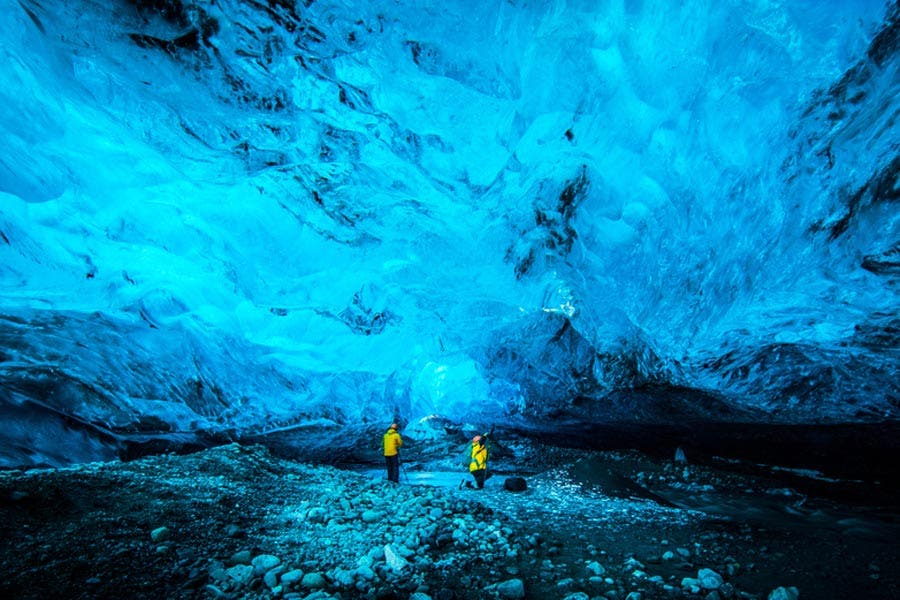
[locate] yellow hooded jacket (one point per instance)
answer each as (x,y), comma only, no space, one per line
(392,442)
(479,457)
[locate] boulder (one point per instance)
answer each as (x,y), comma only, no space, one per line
(515,484)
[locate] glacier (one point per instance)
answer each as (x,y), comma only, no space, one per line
(237,217)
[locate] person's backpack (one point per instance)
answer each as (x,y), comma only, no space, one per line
(467,456)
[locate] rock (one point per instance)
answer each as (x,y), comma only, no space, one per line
(668,555)
(709,579)
(634,596)
(577,596)
(691,584)
(241,558)
(396,562)
(264,563)
(160,534)
(344,577)
(271,577)
(291,577)
(214,592)
(595,568)
(726,590)
(365,572)
(459,535)
(420,596)
(370,516)
(783,593)
(317,595)
(680,456)
(313,581)
(239,574)
(513,589)
(234,531)
(515,484)
(316,515)
(376,553)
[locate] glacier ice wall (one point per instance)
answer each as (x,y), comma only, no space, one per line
(241,216)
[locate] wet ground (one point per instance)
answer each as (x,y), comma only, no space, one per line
(612,525)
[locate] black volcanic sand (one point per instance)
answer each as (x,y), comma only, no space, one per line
(242,523)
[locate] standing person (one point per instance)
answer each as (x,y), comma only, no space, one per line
(478,461)
(392,443)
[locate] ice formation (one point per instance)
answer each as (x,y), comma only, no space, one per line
(248,215)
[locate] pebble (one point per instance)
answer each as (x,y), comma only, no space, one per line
(264,563)
(313,581)
(513,589)
(365,572)
(709,579)
(271,577)
(317,515)
(239,574)
(291,577)
(393,559)
(160,534)
(343,577)
(691,584)
(595,568)
(784,593)
(370,516)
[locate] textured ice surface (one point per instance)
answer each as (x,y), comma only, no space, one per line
(247,215)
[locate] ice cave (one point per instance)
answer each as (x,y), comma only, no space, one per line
(649,249)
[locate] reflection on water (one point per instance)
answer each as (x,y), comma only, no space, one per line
(592,488)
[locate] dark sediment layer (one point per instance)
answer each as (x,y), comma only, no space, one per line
(862,455)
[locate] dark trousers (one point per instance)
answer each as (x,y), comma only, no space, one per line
(479,477)
(393,467)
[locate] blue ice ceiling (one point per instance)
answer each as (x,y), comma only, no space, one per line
(247,215)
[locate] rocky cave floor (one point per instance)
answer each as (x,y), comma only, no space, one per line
(240,522)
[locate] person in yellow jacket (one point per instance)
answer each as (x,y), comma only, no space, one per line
(478,461)
(392,443)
